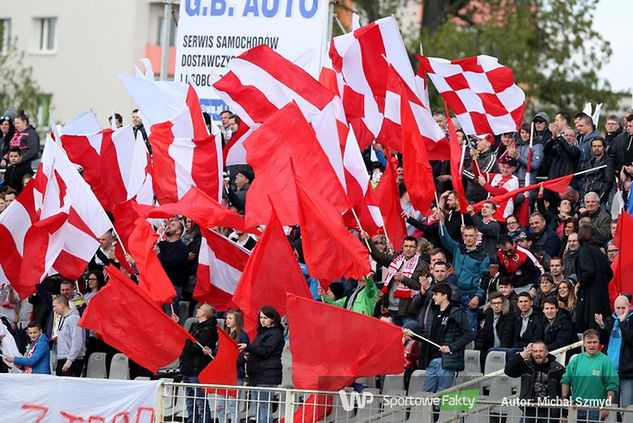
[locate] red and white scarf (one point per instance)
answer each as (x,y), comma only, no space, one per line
(406,267)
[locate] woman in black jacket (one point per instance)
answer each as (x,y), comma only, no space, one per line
(594,273)
(263,362)
(194,359)
(6,133)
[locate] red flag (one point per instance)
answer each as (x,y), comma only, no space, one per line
(387,197)
(456,161)
(153,279)
(123,316)
(623,263)
(223,368)
(125,216)
(418,175)
(286,136)
(260,283)
(313,409)
(200,208)
(559,185)
(335,346)
(330,251)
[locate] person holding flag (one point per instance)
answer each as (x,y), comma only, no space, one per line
(195,358)
(263,360)
(501,183)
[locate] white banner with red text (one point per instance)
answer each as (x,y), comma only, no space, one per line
(43,398)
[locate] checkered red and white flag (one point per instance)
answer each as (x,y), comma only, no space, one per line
(480,91)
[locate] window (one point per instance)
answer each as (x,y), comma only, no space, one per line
(44,104)
(5,35)
(46,33)
(172,32)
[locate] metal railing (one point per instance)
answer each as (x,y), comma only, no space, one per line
(294,405)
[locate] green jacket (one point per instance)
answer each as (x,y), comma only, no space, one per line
(365,301)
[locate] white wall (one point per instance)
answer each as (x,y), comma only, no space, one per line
(95,39)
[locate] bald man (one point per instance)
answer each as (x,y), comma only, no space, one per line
(618,329)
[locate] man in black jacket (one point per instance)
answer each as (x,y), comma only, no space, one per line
(558,330)
(497,330)
(448,326)
(16,170)
(529,323)
(195,358)
(540,379)
(173,254)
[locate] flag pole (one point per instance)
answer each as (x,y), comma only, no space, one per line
(202,346)
(426,340)
(529,163)
(359,226)
(593,169)
(437,201)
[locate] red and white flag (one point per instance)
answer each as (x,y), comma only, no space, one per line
(115,164)
(220,266)
(260,82)
(363,57)
(186,155)
(480,91)
(233,151)
(183,151)
(53,225)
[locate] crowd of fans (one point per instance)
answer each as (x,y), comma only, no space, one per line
(501,278)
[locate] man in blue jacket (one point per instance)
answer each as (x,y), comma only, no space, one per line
(470,262)
(38,355)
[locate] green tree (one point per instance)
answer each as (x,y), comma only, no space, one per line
(18,88)
(555,53)
(551,46)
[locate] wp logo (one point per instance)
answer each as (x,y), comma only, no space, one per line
(349,400)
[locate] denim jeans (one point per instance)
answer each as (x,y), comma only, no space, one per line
(626,392)
(264,404)
(198,410)
(588,416)
(540,415)
(437,378)
(464,299)
(228,407)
